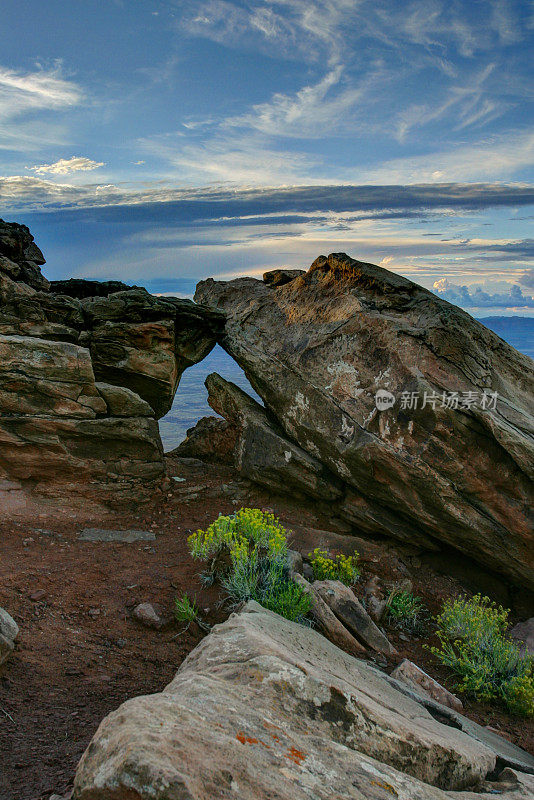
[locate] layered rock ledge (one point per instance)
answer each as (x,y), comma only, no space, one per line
(86,369)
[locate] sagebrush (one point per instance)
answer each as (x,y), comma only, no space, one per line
(248,552)
(489,665)
(339,568)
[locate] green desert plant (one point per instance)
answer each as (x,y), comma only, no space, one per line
(248,550)
(340,568)
(406,611)
(185,610)
(488,664)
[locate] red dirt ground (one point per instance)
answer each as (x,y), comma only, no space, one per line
(80,654)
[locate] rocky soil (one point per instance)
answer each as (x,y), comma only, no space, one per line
(80,653)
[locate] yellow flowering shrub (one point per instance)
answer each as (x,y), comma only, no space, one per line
(256,544)
(340,568)
(489,665)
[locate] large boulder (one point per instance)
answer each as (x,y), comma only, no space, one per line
(264,708)
(319,348)
(145,342)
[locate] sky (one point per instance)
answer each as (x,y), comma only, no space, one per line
(163,141)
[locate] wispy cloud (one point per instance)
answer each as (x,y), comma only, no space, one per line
(20,92)
(67,165)
(498,158)
(225,157)
(326,105)
(25,94)
(471,103)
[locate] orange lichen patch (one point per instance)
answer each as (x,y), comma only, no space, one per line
(275,737)
(241,737)
(246,739)
(385,786)
(297,756)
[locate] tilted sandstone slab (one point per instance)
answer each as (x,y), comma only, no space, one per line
(263,453)
(317,350)
(264,708)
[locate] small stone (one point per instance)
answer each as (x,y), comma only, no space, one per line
(294,561)
(375,602)
(523,633)
(8,633)
(8,626)
(27,541)
(409,673)
(94,612)
(38,595)
(102,535)
(146,614)
(121,643)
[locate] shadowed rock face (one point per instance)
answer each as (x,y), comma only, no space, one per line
(262,452)
(318,348)
(84,375)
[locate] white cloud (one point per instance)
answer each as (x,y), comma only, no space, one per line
(471,103)
(306,113)
(245,160)
(35,90)
(66,165)
(477,296)
(22,95)
(499,158)
(527,278)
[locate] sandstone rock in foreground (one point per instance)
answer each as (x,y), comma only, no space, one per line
(264,708)
(318,348)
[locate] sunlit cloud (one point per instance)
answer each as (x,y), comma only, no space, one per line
(64,166)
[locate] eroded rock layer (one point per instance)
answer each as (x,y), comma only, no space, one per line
(86,369)
(318,347)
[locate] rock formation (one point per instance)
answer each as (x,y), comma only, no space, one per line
(9,630)
(266,708)
(84,375)
(319,347)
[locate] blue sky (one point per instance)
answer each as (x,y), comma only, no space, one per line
(160,142)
